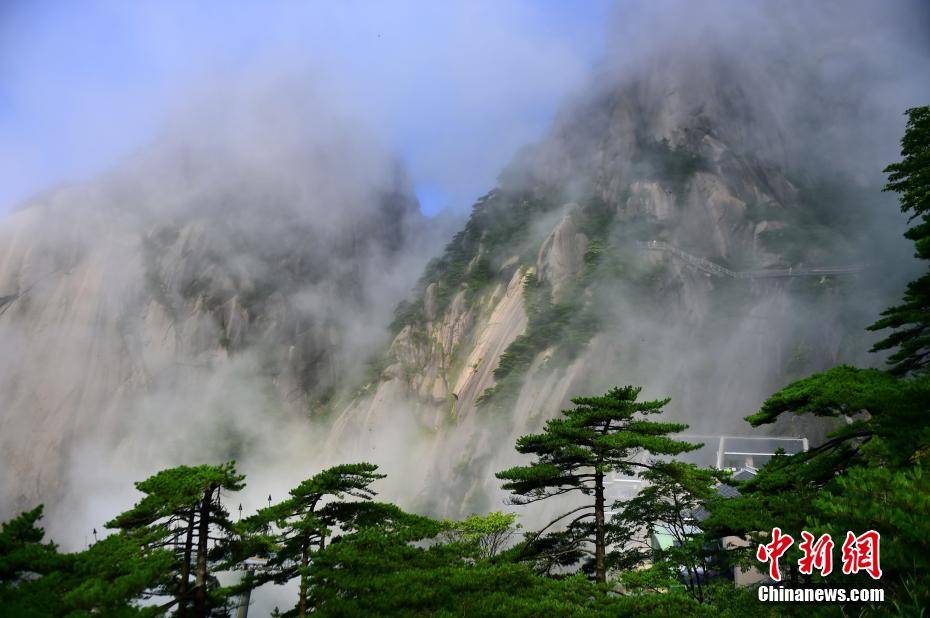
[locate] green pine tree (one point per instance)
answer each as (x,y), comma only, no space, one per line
(669,503)
(28,567)
(106,579)
(300,525)
(867,474)
(412,570)
(182,510)
(911,179)
(577,451)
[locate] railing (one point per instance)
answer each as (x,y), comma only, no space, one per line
(712,268)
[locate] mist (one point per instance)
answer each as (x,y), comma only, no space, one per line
(211,255)
(454,89)
(284,127)
(196,302)
(797,111)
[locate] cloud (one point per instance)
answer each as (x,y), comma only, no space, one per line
(455,88)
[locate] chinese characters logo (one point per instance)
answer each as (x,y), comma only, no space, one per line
(859,553)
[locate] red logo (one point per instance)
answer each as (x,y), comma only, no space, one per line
(860,553)
(817,555)
(771,552)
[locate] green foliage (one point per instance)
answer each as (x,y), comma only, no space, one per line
(895,503)
(22,557)
(181,507)
(22,550)
(488,533)
(566,326)
(868,474)
(575,451)
(299,526)
(498,228)
(673,493)
(911,320)
(888,403)
(175,492)
(409,573)
(115,571)
(379,560)
(371,558)
(911,176)
(107,578)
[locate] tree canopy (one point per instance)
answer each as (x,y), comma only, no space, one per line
(575,452)
(910,178)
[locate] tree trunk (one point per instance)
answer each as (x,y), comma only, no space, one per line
(203,537)
(304,561)
(691,581)
(186,566)
(703,566)
(600,544)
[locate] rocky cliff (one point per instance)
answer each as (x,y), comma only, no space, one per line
(227,294)
(546,293)
(213,289)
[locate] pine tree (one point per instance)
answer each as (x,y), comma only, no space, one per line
(182,509)
(300,525)
(578,450)
(911,179)
(113,574)
(27,566)
(22,550)
(867,474)
(674,494)
(107,579)
(412,570)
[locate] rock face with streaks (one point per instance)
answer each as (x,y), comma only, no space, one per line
(561,256)
(170,309)
(544,294)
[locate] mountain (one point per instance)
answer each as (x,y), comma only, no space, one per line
(227,292)
(549,292)
(211,290)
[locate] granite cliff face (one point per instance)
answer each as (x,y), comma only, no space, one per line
(546,293)
(184,305)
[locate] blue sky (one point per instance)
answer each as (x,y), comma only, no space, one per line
(454,87)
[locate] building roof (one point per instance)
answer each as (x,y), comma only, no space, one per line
(740,476)
(727,491)
(744,474)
